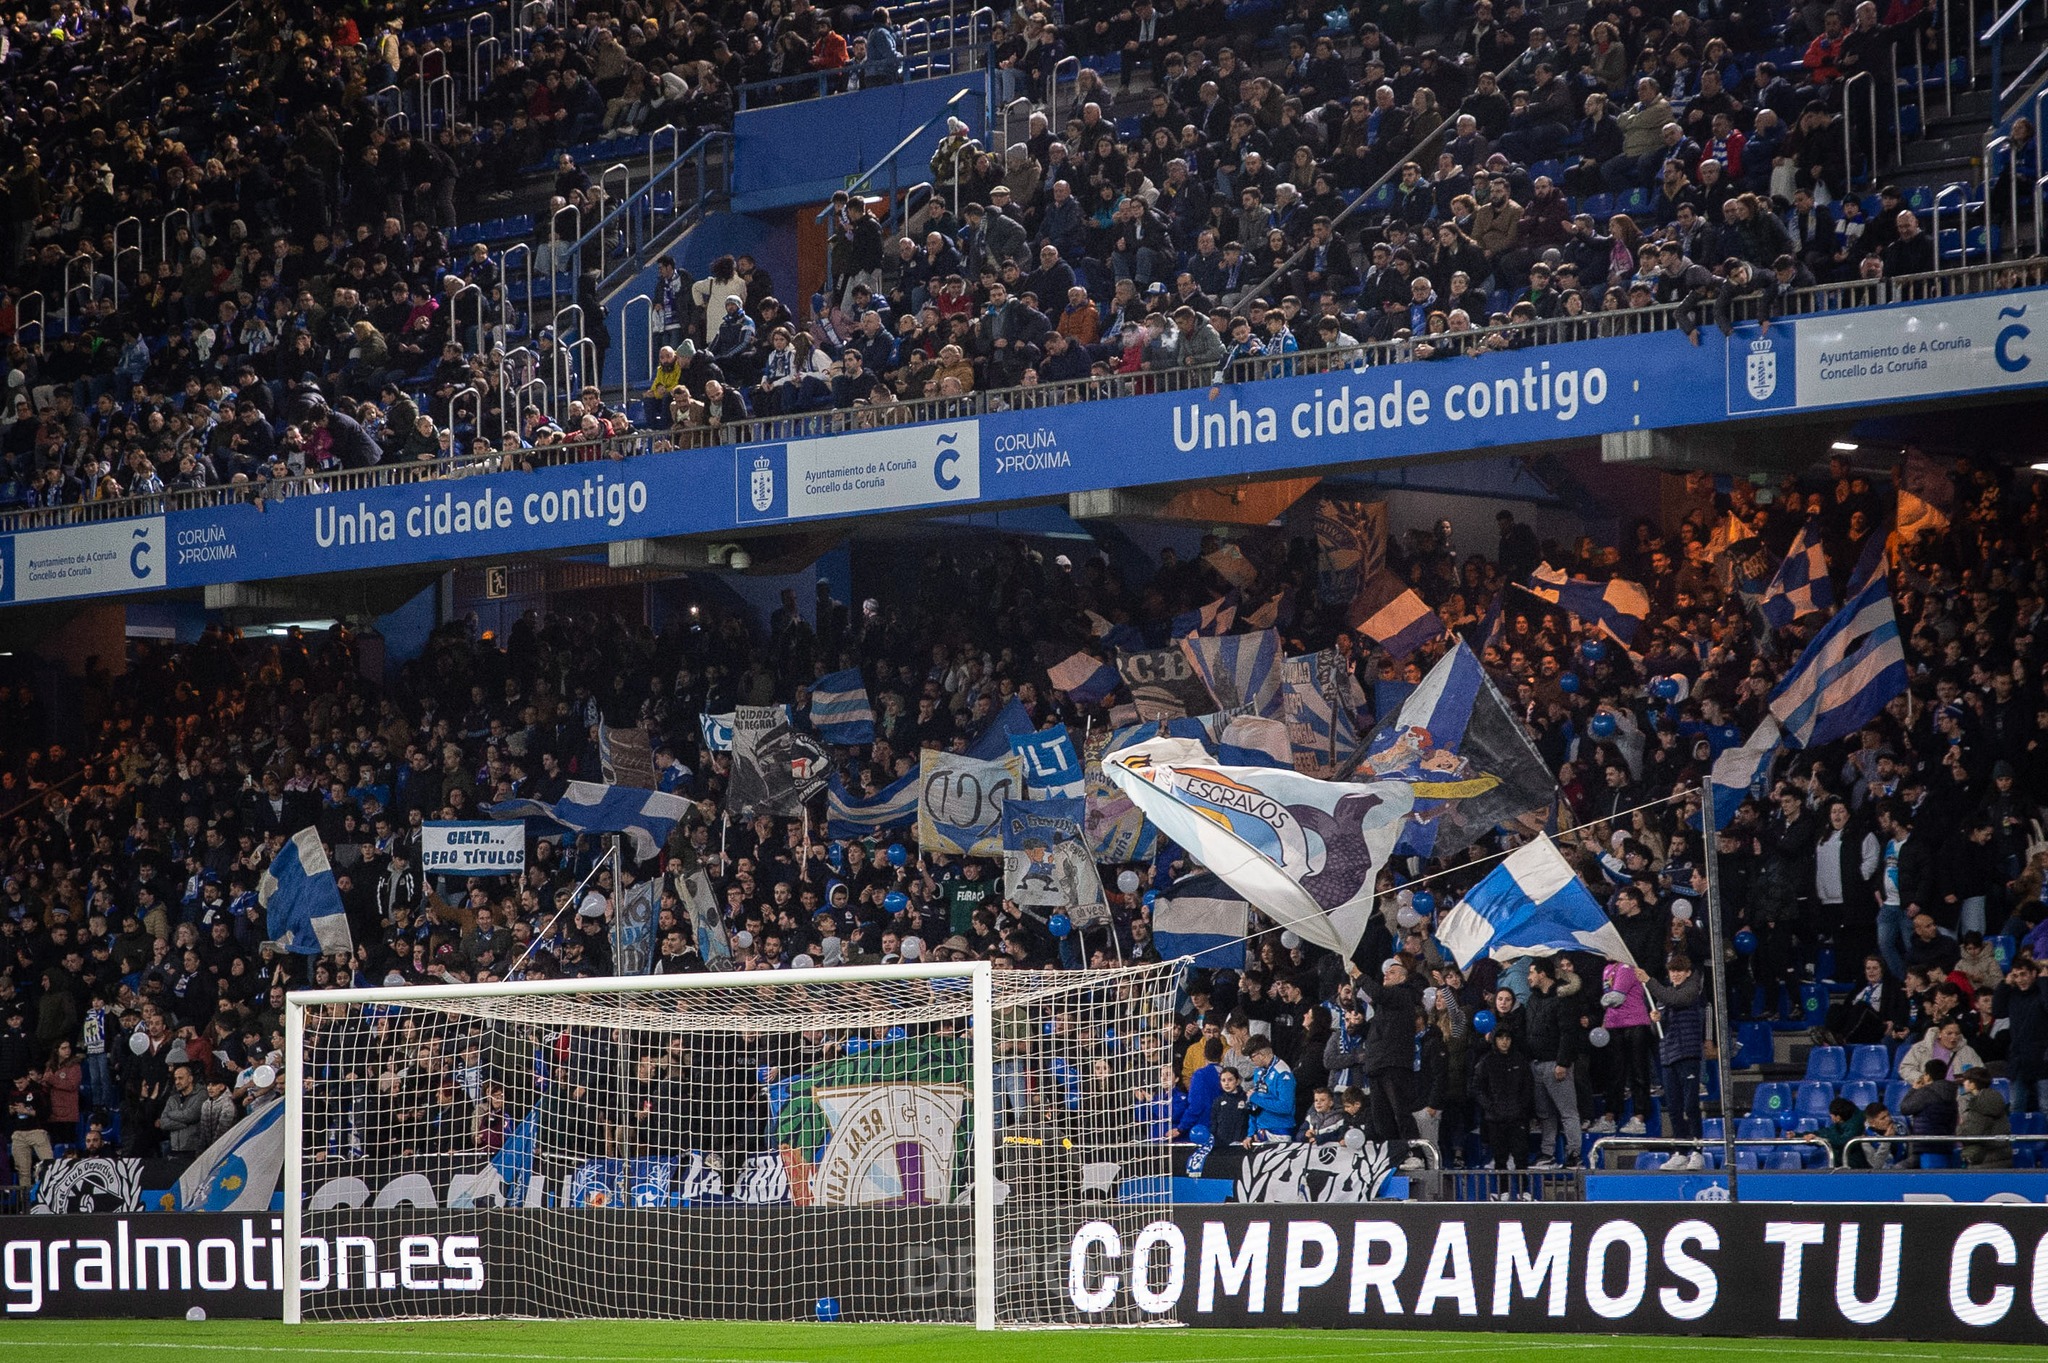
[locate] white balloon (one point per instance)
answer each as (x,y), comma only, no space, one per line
(1613,998)
(1407,918)
(1598,1036)
(1128,882)
(139,1043)
(1289,939)
(1682,911)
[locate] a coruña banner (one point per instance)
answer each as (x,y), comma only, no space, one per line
(473,849)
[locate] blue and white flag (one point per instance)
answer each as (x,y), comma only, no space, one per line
(1853,667)
(1455,733)
(717,731)
(960,803)
(1084,677)
(1046,865)
(240,1171)
(1351,545)
(633,950)
(1531,904)
(1390,613)
(1619,607)
(301,904)
(1307,853)
(646,817)
(1318,691)
(1251,741)
(1240,670)
(1801,585)
(1215,618)
(992,744)
(839,708)
(1052,769)
(848,816)
(1202,918)
(1737,771)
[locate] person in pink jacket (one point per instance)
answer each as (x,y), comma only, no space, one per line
(1631,1044)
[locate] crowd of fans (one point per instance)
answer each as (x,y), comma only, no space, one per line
(133,838)
(295,206)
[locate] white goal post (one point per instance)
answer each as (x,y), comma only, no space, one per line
(763,1145)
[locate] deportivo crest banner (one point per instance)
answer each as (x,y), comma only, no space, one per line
(1163,684)
(1303,852)
(960,801)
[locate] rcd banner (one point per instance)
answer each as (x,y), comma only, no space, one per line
(473,849)
(1900,1271)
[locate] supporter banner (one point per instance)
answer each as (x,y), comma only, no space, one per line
(1387,412)
(1849,1272)
(472,849)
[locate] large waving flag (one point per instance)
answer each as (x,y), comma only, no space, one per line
(839,708)
(1801,585)
(717,731)
(1853,667)
(1215,618)
(992,744)
(1239,669)
(1736,772)
(849,816)
(1454,732)
(1201,918)
(1305,852)
(1250,741)
(1388,611)
(1319,701)
(960,803)
(1084,677)
(240,1171)
(1351,545)
(1618,606)
(1531,904)
(302,906)
(646,817)
(1052,769)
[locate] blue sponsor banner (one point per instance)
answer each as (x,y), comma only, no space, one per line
(1591,388)
(1821,1185)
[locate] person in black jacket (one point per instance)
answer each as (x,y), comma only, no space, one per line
(1229,1127)
(1556,1040)
(1875,1013)
(1390,1049)
(2022,1000)
(1785,843)
(1429,1080)
(1506,1096)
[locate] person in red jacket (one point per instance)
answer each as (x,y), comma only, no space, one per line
(1824,53)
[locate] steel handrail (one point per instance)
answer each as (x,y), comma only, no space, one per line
(583,371)
(1994,37)
(555,250)
(1848,128)
(507,417)
(1634,321)
(505,271)
(42,322)
(888,157)
(1008,109)
(625,343)
(699,153)
(454,322)
(1962,216)
(604,181)
(1993,142)
(163,233)
(140,261)
(1992,1138)
(1595,1157)
(2040,190)
(1052,95)
(91,268)
(488,48)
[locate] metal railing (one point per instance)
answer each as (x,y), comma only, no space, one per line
(1962,193)
(1849,126)
(888,160)
(639,222)
(2009,24)
(932,62)
(1960,282)
(1946,1143)
(1596,1158)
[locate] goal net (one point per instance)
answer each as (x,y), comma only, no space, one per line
(789,1145)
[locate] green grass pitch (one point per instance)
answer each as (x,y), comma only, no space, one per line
(698,1342)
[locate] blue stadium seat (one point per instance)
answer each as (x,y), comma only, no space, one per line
(1785,1159)
(1553,170)
(1773,1101)
(1813,1004)
(1870,1062)
(1812,1100)
(1601,206)
(1862,1092)
(1635,203)
(2004,947)
(1651,1159)
(1895,1093)
(1824,963)
(1745,1160)
(1710,1129)
(1753,1045)
(1756,1129)
(1827,1064)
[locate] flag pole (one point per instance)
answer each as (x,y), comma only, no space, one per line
(1710,825)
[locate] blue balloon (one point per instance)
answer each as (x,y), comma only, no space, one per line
(895,901)
(898,854)
(828,1308)
(1060,924)
(835,855)
(1603,725)
(1665,688)
(1593,650)
(1745,943)
(1151,897)
(1483,1022)
(1569,683)
(1423,903)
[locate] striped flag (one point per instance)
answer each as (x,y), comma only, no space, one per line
(1084,677)
(1801,585)
(1619,606)
(1052,769)
(302,905)
(1387,611)
(849,816)
(1853,667)
(1238,669)
(1202,918)
(1215,618)
(1232,566)
(646,817)
(1306,686)
(839,708)
(717,731)
(1531,904)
